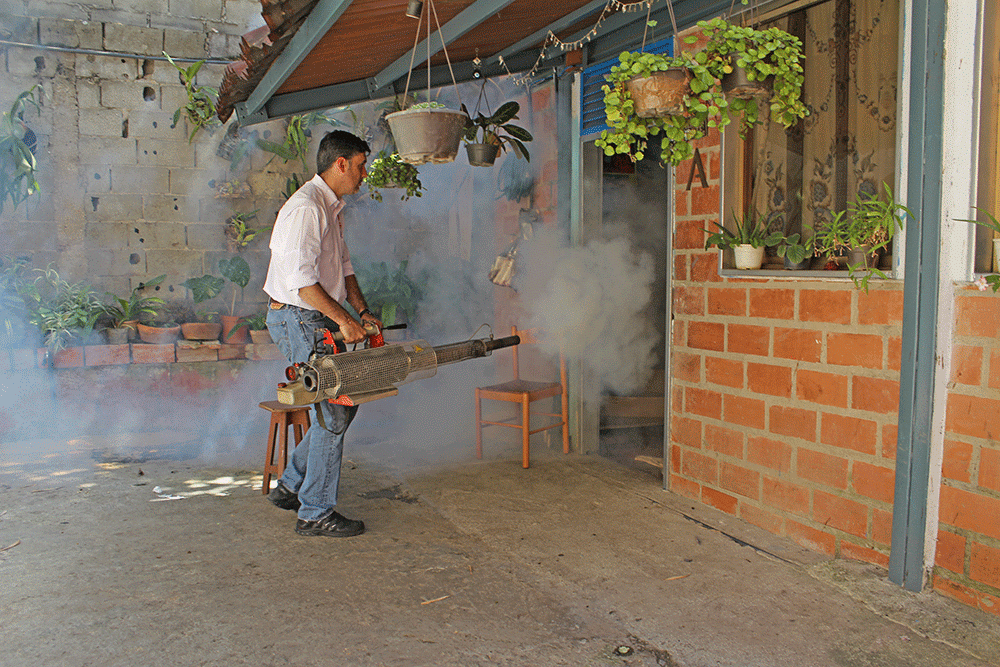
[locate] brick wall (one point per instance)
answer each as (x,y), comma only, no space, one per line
(967,566)
(785,407)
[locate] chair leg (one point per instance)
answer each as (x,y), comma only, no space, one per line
(283,441)
(525,430)
(565,420)
(479,425)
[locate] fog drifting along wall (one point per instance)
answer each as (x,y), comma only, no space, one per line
(125,196)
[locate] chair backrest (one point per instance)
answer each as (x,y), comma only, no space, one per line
(534,336)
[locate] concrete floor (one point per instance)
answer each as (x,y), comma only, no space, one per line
(160,560)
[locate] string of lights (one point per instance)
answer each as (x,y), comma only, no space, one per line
(613,6)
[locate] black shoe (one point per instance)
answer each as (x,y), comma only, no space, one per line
(283,497)
(332,525)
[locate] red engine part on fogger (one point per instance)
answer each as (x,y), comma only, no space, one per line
(360,376)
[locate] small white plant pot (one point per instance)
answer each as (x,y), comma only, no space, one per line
(748,257)
(996,255)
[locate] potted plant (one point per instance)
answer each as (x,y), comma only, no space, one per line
(486,137)
(748,238)
(203,327)
(994,226)
(125,313)
(62,311)
(256,324)
(796,251)
(397,293)
(388,171)
(703,103)
(237,271)
(200,108)
(427,132)
(17,152)
(862,231)
(238,232)
(159,332)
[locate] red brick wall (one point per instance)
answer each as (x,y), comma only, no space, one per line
(785,405)
(785,393)
(967,566)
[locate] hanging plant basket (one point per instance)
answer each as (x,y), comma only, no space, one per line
(427,135)
(482,155)
(660,94)
(737,85)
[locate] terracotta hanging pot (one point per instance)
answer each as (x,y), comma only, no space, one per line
(661,94)
(427,135)
(737,85)
(482,155)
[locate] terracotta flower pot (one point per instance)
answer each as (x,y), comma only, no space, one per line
(201,330)
(229,323)
(427,135)
(661,94)
(118,335)
(159,335)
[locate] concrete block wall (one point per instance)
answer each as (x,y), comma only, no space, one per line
(125,195)
(967,566)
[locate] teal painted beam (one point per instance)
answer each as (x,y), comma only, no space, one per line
(466,20)
(318,23)
(920,294)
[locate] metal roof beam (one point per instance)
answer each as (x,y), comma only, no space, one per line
(466,20)
(320,20)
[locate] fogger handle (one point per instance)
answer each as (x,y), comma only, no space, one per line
(370,330)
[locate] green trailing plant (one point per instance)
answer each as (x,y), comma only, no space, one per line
(200,109)
(868,223)
(748,230)
(991,280)
(61,310)
(137,305)
(388,171)
(394,291)
(238,231)
(17,152)
(497,130)
(705,105)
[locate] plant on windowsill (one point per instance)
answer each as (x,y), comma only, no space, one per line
(200,109)
(703,104)
(796,251)
(388,171)
(863,231)
(992,280)
(488,136)
(748,237)
(126,313)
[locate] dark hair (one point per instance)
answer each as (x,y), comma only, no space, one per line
(338,144)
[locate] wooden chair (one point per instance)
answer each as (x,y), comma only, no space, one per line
(524,392)
(282,417)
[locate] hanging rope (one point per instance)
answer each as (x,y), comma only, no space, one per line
(444,47)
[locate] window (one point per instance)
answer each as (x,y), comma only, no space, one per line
(988,190)
(846,147)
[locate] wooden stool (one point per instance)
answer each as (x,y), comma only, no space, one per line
(282,416)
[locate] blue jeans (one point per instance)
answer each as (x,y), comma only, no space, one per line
(314,470)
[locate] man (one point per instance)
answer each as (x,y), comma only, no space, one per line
(309,277)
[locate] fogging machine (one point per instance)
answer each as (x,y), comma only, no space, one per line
(363,375)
